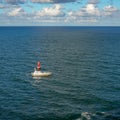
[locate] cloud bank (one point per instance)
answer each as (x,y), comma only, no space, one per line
(35,1)
(54,11)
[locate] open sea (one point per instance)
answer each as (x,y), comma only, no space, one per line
(85,84)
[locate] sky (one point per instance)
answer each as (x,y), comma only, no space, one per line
(59,12)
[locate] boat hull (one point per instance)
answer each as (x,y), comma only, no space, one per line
(40,74)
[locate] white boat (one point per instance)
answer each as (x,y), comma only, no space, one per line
(40,73)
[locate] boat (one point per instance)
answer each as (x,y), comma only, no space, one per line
(40,73)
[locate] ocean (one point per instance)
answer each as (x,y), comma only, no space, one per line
(85,80)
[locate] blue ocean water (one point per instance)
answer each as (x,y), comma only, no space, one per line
(85,84)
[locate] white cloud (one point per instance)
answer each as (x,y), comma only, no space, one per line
(87,11)
(110,8)
(16,12)
(92,9)
(55,11)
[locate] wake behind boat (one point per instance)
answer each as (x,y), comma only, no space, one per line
(38,73)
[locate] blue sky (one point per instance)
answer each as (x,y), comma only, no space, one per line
(59,12)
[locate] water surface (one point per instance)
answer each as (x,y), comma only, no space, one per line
(85,62)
